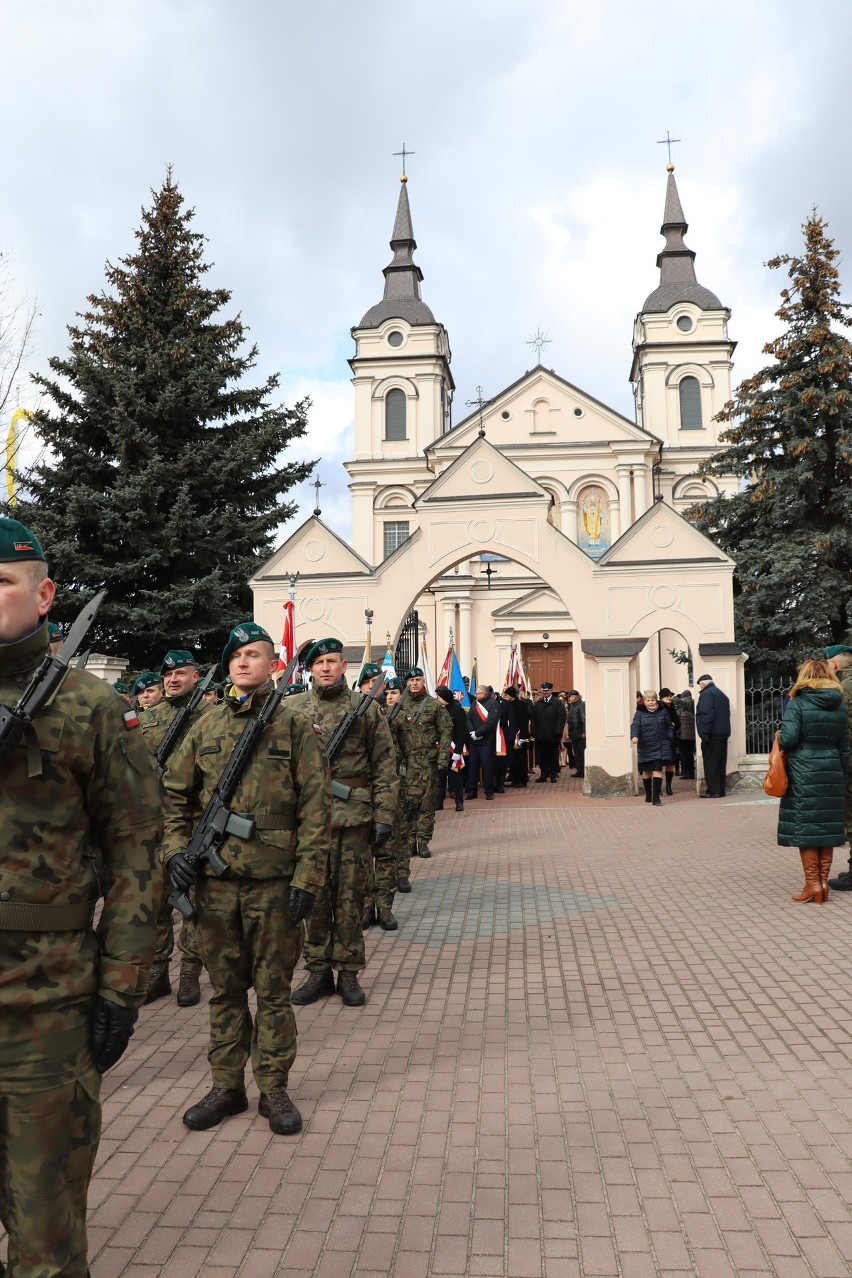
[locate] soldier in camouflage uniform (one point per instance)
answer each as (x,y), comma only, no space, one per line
(427,732)
(382,880)
(80,779)
(250,921)
(365,772)
(178,676)
(148,690)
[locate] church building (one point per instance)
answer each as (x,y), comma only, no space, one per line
(544,521)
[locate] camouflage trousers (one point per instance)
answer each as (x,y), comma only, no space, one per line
(335,935)
(49,1132)
(249,941)
(188,942)
(426,817)
(381,875)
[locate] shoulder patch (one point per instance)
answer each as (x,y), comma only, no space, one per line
(131,719)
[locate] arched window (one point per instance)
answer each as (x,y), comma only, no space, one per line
(690,404)
(395,415)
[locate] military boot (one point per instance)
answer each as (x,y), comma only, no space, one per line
(423,849)
(388,920)
(368,918)
(219,1103)
(157,986)
(403,884)
(349,989)
(843,882)
(284,1118)
(189,989)
(317,985)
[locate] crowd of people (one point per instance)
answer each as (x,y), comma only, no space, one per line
(331,791)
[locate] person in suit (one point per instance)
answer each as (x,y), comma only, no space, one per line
(548,725)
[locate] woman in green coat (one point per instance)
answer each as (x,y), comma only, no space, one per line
(815,735)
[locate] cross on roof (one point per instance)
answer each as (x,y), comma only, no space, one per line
(539,340)
(404,153)
(480,402)
(668,141)
(318,484)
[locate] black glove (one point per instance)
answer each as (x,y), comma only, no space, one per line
(299,904)
(380,833)
(181,873)
(412,808)
(110,1030)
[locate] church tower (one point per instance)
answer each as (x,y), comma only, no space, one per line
(682,355)
(403,391)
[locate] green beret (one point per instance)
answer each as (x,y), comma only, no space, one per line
(395,683)
(293,689)
(17,543)
(414,673)
(836,649)
(147,679)
(54,632)
(175,659)
(125,689)
(245,632)
(322,648)
(369,671)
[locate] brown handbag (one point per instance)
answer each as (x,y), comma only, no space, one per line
(775,781)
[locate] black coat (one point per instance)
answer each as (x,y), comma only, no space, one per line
(548,720)
(461,738)
(815,734)
(485,729)
(653,731)
(713,713)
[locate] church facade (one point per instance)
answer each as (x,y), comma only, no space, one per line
(544,521)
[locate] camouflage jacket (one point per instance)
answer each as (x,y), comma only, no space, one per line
(427,732)
(285,787)
(845,677)
(366,762)
(81,819)
(156,722)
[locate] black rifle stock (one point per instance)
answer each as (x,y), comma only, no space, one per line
(180,722)
(217,820)
(46,680)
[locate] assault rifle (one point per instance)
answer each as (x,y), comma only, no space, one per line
(218,821)
(341,732)
(46,681)
(180,722)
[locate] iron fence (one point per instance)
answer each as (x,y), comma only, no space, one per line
(408,647)
(764,710)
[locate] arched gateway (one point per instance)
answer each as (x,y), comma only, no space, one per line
(545,520)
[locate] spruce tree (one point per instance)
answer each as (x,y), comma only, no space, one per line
(790,442)
(165,481)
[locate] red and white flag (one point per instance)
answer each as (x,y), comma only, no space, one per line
(288,640)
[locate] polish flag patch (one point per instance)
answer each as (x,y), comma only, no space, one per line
(131,719)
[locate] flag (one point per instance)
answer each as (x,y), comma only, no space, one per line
(444,673)
(388,668)
(473,679)
(427,674)
(288,639)
(454,680)
(516,676)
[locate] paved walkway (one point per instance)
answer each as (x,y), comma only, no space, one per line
(604,1042)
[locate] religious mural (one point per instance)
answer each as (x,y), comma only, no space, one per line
(593,522)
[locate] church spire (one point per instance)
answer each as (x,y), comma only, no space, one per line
(677,262)
(402,299)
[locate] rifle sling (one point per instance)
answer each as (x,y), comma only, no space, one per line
(24,916)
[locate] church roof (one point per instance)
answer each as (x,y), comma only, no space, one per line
(402,298)
(677,262)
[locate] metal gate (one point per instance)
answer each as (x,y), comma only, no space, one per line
(764,709)
(408,647)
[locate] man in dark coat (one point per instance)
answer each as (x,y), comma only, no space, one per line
(713,725)
(548,724)
(517,745)
(839,657)
(483,717)
(577,731)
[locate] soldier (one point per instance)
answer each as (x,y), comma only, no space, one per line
(178,676)
(148,690)
(124,690)
(250,921)
(365,772)
(78,779)
(54,636)
(368,676)
(427,730)
(383,881)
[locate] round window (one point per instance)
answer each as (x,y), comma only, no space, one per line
(505,414)
(685,324)
(578,412)
(395,338)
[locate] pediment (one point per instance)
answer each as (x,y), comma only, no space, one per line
(661,535)
(539,409)
(535,603)
(482,473)
(313,549)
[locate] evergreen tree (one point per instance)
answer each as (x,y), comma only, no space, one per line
(164,482)
(790,442)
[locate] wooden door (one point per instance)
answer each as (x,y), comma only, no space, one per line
(549,663)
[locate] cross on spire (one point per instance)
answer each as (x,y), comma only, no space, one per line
(480,402)
(318,484)
(668,141)
(539,340)
(404,153)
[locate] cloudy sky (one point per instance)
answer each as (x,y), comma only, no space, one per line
(536,187)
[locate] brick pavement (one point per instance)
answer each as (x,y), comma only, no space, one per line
(604,1042)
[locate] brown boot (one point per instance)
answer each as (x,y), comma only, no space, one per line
(388,920)
(826,856)
(189,989)
(812,891)
(157,986)
(317,985)
(349,989)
